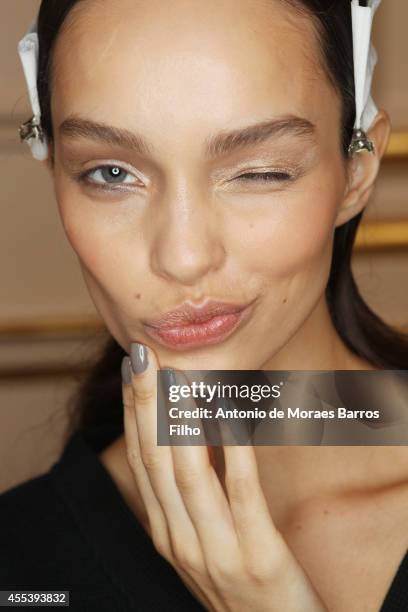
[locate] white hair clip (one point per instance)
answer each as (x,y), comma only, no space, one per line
(365,59)
(31,131)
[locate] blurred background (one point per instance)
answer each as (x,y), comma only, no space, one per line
(49,329)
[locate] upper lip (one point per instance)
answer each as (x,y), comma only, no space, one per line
(187,313)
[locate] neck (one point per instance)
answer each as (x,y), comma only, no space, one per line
(305,473)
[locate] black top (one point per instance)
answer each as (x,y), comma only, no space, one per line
(70,529)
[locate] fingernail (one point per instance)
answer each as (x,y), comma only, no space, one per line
(126,370)
(168,377)
(138,356)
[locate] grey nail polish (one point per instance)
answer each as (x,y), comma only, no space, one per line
(126,370)
(168,378)
(138,356)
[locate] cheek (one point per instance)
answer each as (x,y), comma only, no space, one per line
(104,244)
(291,234)
(286,256)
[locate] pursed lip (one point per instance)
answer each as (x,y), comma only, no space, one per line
(189,327)
(188,314)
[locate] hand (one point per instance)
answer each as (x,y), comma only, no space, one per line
(223,544)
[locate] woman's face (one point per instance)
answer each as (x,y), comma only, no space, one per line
(183,211)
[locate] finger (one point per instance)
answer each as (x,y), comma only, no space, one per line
(255,528)
(158,463)
(157,523)
(203,495)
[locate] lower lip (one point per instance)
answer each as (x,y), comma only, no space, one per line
(212,331)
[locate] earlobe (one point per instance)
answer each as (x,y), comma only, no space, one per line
(350,207)
(362,172)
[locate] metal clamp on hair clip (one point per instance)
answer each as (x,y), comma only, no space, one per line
(32,133)
(31,129)
(360,142)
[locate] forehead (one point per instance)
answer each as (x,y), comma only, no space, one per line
(149,62)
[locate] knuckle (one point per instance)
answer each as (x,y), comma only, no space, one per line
(187,479)
(151,459)
(187,560)
(128,402)
(128,407)
(268,567)
(133,458)
(261,571)
(127,397)
(144,395)
(161,547)
(238,487)
(224,572)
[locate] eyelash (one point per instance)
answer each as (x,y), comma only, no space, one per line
(266,177)
(260,177)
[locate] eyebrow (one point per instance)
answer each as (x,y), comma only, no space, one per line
(221,143)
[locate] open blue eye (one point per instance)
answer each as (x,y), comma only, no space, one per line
(109,175)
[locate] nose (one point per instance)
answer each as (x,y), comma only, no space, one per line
(188,239)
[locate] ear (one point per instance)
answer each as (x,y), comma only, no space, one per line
(363,169)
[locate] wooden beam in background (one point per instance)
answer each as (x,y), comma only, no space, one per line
(56,327)
(397,147)
(382,236)
(76,371)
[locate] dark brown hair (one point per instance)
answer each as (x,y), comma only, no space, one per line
(98,401)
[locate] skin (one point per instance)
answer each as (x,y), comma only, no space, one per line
(186,228)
